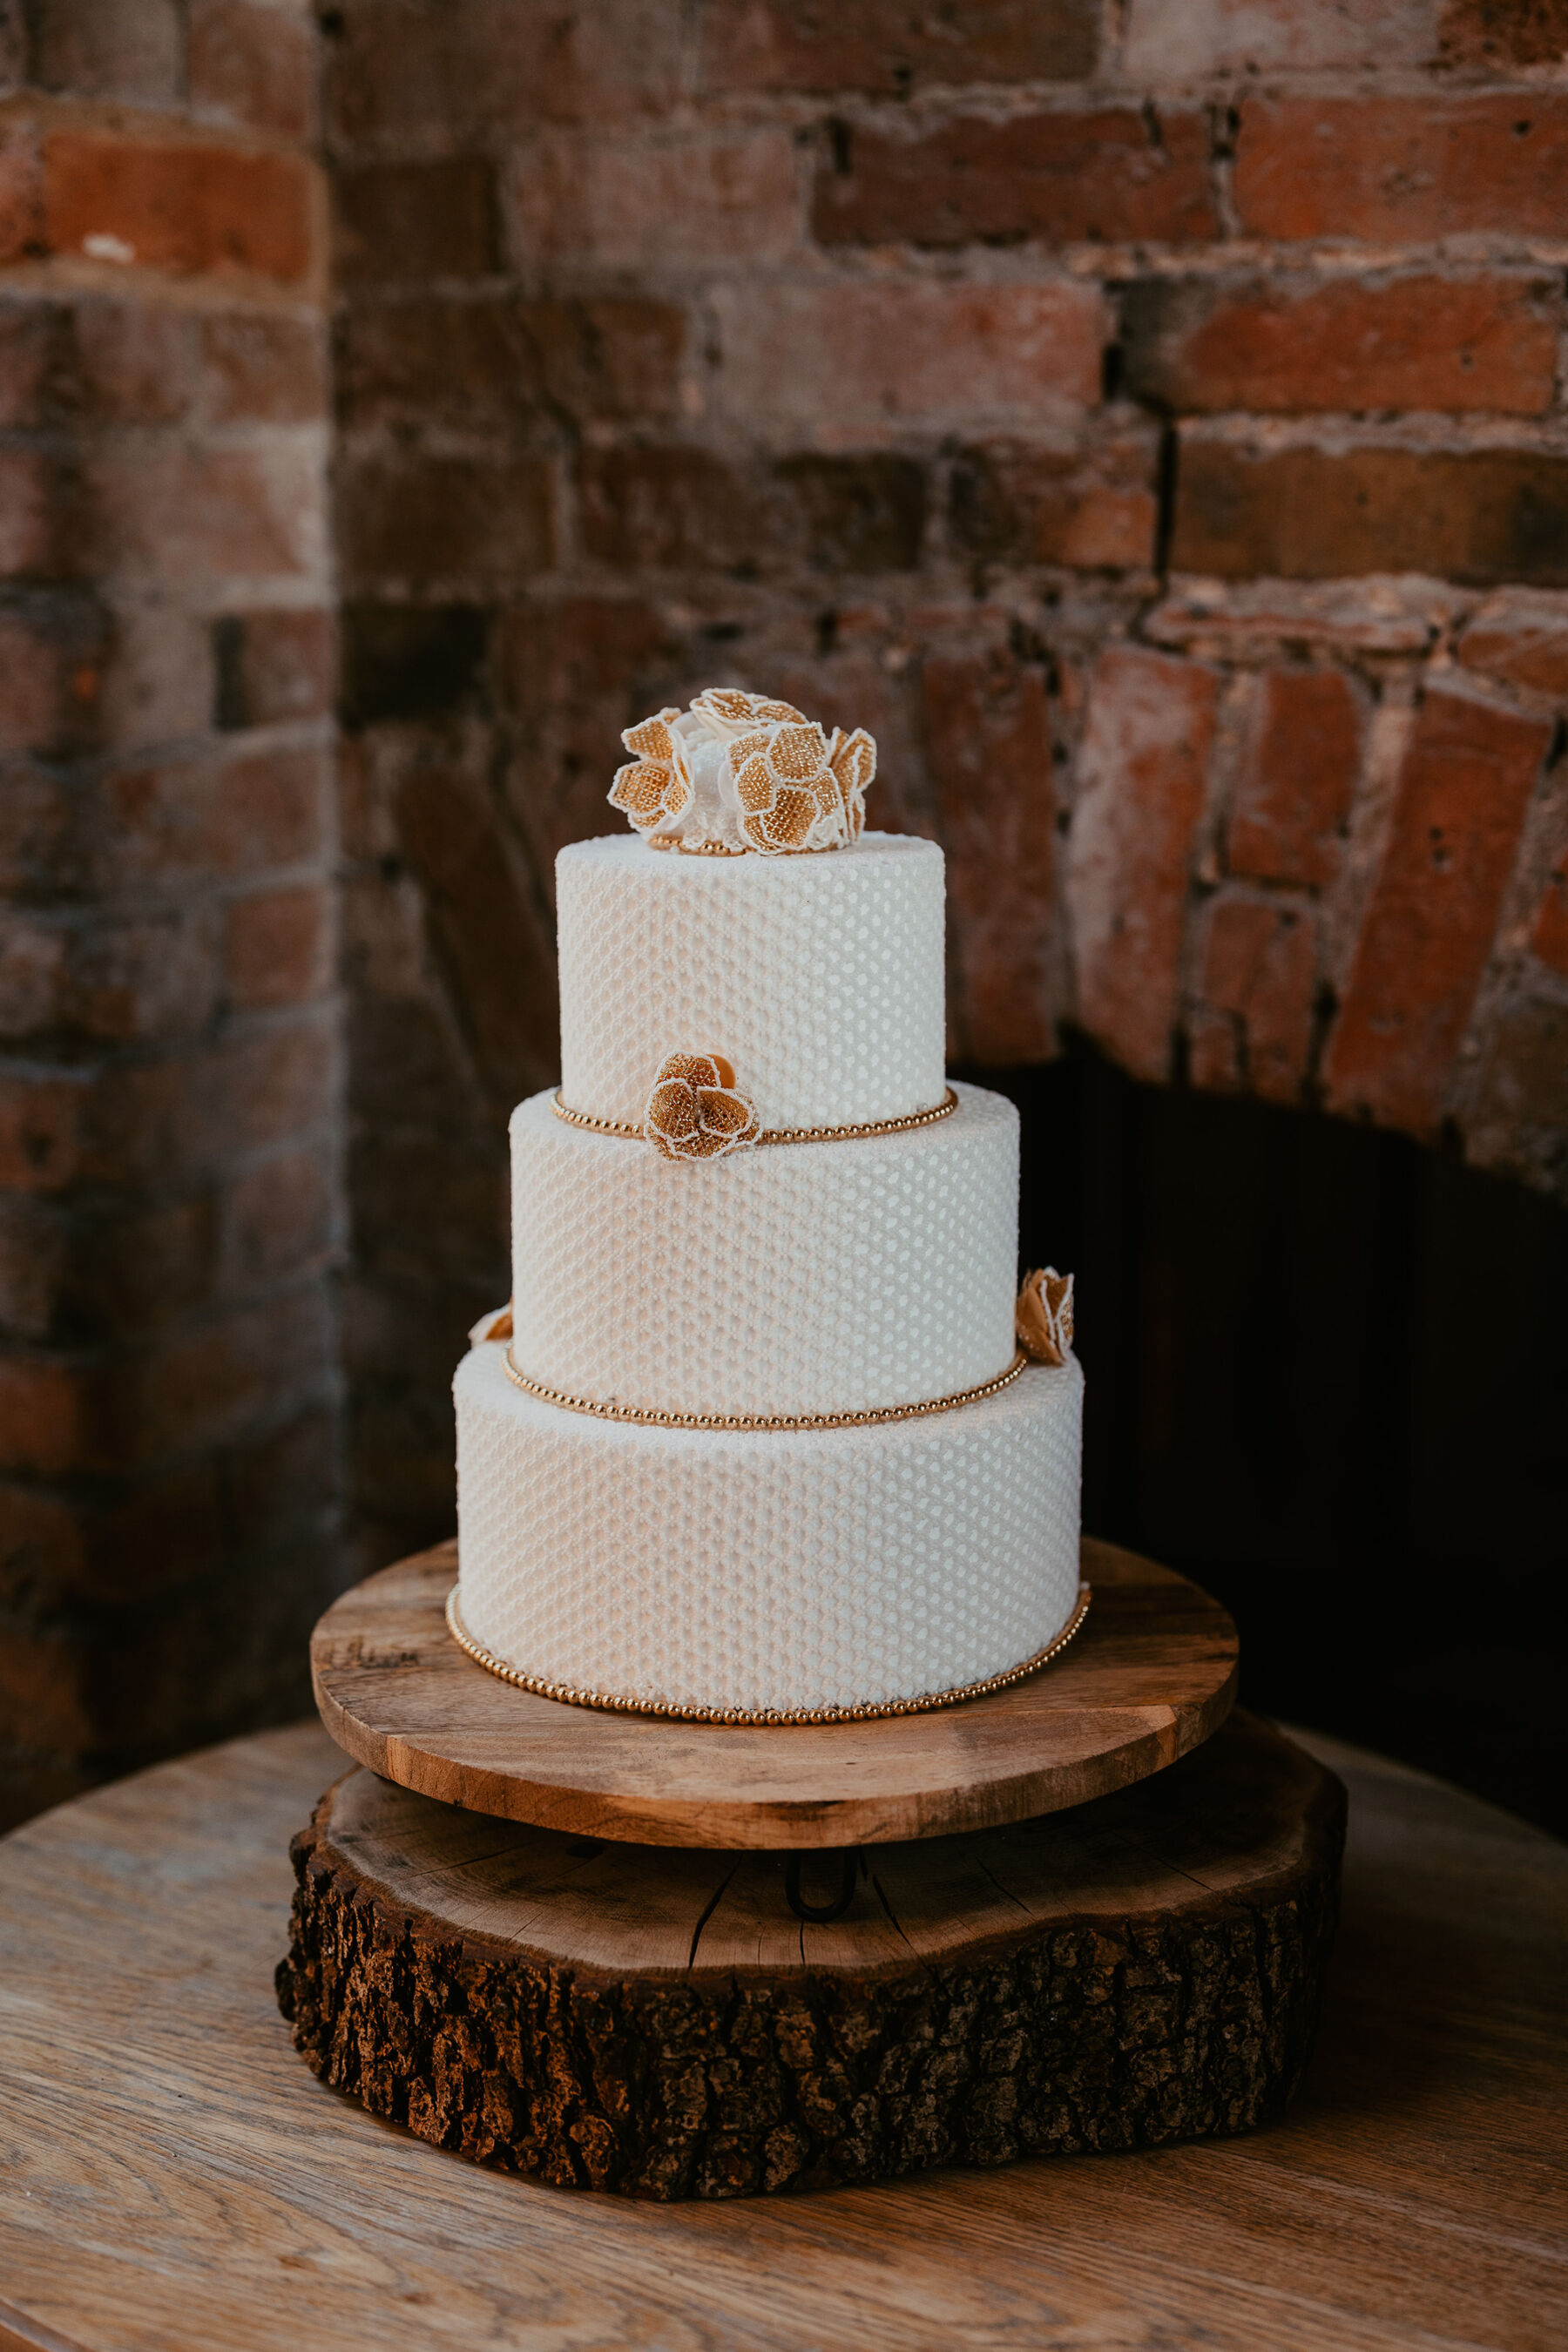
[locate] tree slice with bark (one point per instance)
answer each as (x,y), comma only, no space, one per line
(654,2022)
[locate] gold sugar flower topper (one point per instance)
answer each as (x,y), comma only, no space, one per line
(741,771)
(1043,1318)
(695,1111)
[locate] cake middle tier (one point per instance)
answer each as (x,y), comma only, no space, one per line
(797,1278)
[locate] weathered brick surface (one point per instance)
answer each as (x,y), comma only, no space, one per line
(989,738)
(1390,169)
(1475,516)
(170,1195)
(1428,927)
(1146,419)
(888,49)
(1142,782)
(1250,1028)
(1116,173)
(1291,807)
(1198,347)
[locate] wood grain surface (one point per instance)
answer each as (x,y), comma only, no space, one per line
(653,2022)
(1151,1674)
(172,2179)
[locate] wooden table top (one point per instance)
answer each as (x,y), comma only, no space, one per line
(172,2179)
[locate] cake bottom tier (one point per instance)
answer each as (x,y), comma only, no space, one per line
(779,1569)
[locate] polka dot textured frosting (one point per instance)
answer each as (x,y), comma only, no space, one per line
(804,1570)
(828,1277)
(819,977)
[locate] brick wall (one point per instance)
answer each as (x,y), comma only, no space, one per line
(1147,419)
(169,1062)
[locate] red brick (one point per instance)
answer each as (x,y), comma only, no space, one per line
(1498,34)
(424,519)
(38,510)
(41,1547)
(1521,639)
(481,911)
(1297,778)
(1093,508)
(832,356)
(32,976)
(210,513)
(719,194)
(1142,772)
(33,1242)
(143,1269)
(1252,1030)
(1115,174)
(664,507)
(864,512)
(1390,169)
(263,366)
(41,1131)
(272,666)
(47,1417)
(276,1217)
(174,1117)
(410,222)
(34,683)
(206,1386)
(21,193)
(253,65)
(1170,42)
(207,513)
(887,49)
(94,361)
(475,362)
(277,948)
(1549,932)
(988,733)
(471,69)
(1428,927)
(1478,515)
(110,48)
(1515,1110)
(577,673)
(200,821)
(135,983)
(1293,346)
(184,209)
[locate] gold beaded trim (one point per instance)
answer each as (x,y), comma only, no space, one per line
(757,1421)
(693,848)
(572,1695)
(943,1109)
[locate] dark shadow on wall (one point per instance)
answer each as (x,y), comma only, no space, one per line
(1328,1377)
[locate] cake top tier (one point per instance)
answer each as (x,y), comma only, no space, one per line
(741,772)
(818,979)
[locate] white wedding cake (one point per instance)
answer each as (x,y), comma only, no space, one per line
(767,1431)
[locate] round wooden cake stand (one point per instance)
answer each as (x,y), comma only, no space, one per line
(1150,1674)
(1145,1969)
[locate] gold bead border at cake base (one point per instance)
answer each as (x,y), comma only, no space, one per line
(943,1109)
(740,1717)
(748,1423)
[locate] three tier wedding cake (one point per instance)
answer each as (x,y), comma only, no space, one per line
(766,1433)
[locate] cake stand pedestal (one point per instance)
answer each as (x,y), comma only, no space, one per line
(1092,1910)
(1150,1674)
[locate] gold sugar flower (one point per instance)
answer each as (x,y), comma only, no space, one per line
(730,710)
(789,795)
(655,788)
(695,1112)
(1043,1318)
(853,759)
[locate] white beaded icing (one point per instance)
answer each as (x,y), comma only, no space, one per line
(820,978)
